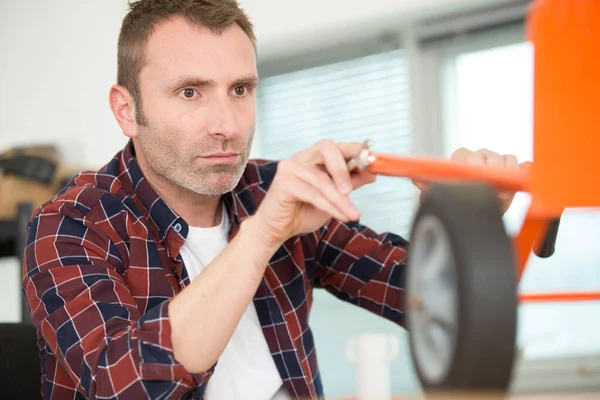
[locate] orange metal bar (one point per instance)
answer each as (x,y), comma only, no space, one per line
(531,230)
(532,233)
(425,169)
(559,297)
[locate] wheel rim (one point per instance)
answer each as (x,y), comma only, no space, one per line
(433,301)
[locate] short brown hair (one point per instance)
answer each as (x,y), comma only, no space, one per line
(144,15)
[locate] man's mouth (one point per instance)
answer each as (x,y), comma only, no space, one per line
(222,158)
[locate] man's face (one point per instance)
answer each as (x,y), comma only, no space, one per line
(197,92)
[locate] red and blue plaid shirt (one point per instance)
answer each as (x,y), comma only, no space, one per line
(102,263)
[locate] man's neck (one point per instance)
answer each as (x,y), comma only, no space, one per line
(197,210)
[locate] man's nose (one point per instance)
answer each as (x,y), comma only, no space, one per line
(223,118)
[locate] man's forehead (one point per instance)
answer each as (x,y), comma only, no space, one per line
(176,28)
(177,44)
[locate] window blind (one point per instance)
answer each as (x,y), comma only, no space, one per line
(354,100)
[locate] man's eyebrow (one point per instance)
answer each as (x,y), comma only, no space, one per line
(191,81)
(184,81)
(250,80)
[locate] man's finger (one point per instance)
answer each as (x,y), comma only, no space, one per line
(478,157)
(313,154)
(362,178)
(491,158)
(421,185)
(335,165)
(525,166)
(350,149)
(511,162)
(309,194)
(322,182)
(333,157)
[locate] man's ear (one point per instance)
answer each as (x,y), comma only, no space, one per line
(123,108)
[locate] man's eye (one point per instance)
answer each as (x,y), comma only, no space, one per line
(241,90)
(188,93)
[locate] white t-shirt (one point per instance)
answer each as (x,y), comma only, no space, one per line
(246,369)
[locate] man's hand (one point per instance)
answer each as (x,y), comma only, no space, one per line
(307,190)
(488,158)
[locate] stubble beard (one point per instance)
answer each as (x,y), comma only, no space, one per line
(181,166)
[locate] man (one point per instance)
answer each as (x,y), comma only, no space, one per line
(181,269)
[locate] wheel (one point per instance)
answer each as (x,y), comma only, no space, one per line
(461,292)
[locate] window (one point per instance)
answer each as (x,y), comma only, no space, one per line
(364,98)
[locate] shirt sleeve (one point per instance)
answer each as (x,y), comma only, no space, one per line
(363,267)
(87,316)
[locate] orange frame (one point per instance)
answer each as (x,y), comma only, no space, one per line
(565,35)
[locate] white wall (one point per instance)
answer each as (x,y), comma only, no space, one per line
(58,62)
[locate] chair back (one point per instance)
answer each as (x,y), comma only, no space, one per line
(20,374)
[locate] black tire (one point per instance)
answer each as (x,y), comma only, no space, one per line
(481,274)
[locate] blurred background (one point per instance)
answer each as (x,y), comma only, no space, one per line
(418,77)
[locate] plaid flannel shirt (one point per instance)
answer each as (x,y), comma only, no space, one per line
(102,263)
